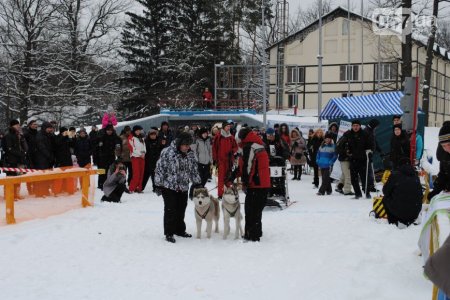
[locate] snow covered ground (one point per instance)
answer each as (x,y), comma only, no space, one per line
(319,248)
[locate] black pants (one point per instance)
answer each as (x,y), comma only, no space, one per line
(325,187)
(175,204)
(255,200)
(116,195)
(316,175)
(297,171)
(149,172)
(358,170)
(129,170)
(204,171)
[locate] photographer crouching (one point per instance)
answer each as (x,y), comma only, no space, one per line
(114,185)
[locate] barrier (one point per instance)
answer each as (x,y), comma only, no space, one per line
(9,184)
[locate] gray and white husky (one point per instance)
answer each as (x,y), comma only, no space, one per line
(206,208)
(231,208)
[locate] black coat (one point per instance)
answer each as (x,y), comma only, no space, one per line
(15,148)
(63,156)
(313,148)
(403,194)
(108,148)
(343,148)
(358,143)
(281,147)
(83,151)
(45,148)
(153,151)
(400,148)
(30,135)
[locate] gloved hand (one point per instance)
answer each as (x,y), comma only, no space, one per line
(158,190)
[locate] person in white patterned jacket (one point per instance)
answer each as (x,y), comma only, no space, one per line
(176,167)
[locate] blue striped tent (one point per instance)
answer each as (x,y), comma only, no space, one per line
(382,104)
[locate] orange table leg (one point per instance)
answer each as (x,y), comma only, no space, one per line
(9,199)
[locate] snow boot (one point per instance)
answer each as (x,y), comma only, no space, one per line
(170,239)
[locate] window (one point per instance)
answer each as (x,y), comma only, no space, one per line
(388,71)
(292,99)
(295,74)
(349,72)
(345,27)
(347,95)
(439,81)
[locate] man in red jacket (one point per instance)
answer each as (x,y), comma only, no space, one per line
(207,98)
(254,169)
(224,152)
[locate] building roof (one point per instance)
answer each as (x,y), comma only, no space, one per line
(381,104)
(341,12)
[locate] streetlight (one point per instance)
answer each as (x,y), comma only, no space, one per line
(319,61)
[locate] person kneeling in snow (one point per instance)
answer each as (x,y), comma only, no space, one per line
(403,195)
(114,185)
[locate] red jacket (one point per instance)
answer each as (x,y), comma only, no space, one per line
(207,96)
(224,147)
(254,164)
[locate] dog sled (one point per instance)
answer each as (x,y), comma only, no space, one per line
(278,195)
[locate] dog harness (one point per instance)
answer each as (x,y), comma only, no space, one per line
(232,213)
(205,214)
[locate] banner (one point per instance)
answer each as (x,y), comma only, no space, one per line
(304,127)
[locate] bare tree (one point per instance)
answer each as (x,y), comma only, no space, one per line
(304,17)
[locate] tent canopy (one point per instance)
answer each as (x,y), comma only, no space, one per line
(382,104)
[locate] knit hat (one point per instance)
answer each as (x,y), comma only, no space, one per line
(373,123)
(46,125)
(62,129)
(137,127)
(270,131)
(184,138)
(82,130)
(396,117)
(444,134)
(227,122)
(13,123)
(153,130)
(202,131)
(356,122)
(243,133)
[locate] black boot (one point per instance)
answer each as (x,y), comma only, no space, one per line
(185,235)
(170,239)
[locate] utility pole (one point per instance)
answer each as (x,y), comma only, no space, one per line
(263,64)
(319,62)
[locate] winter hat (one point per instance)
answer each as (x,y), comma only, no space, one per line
(356,122)
(82,130)
(396,117)
(153,130)
(184,138)
(397,126)
(62,129)
(270,131)
(202,131)
(243,133)
(46,125)
(333,124)
(227,122)
(72,129)
(373,123)
(137,127)
(444,134)
(13,123)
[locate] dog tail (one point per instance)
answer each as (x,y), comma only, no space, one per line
(216,206)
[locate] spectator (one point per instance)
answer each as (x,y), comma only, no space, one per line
(152,153)
(109,118)
(109,146)
(203,152)
(174,169)
(333,130)
(114,185)
(45,147)
(397,120)
(254,168)
(125,136)
(359,145)
(63,143)
(297,152)
(137,153)
(403,195)
(30,134)
(326,156)
(400,146)
(284,133)
(207,98)
(313,147)
(93,138)
(224,151)
(165,135)
(343,150)
(83,149)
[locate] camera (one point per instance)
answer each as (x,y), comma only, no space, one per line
(122,167)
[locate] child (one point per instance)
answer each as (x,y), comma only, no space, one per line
(326,156)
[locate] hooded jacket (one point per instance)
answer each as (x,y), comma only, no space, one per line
(175,169)
(254,163)
(224,147)
(298,146)
(203,150)
(326,156)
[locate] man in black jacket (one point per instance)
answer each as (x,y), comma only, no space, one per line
(273,141)
(403,195)
(63,143)
(359,147)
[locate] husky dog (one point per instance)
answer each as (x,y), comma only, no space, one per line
(206,207)
(231,208)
